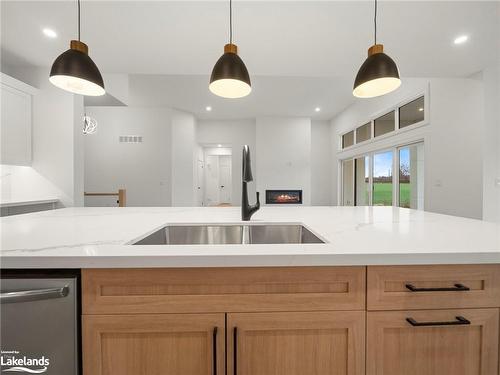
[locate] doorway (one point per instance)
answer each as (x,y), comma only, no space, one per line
(217,176)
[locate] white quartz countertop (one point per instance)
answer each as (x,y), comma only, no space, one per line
(99,237)
(28,202)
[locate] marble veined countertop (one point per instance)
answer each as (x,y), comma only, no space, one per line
(99,238)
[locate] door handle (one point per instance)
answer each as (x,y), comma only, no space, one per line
(456,288)
(34,295)
(460,320)
(214,350)
(235,350)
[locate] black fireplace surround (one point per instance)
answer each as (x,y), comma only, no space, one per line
(283,196)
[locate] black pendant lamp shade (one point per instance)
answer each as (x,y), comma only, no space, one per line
(379,74)
(74,70)
(230,78)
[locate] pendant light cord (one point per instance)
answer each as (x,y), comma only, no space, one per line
(374,21)
(78,20)
(230,21)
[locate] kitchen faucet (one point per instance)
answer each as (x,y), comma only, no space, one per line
(247,210)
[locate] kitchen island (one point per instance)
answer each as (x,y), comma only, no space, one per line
(101,238)
(389,292)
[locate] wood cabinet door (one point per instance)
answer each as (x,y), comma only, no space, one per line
(299,343)
(173,344)
(432,342)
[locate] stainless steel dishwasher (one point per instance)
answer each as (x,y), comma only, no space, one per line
(39,313)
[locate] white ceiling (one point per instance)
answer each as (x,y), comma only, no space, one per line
(300,54)
(272,96)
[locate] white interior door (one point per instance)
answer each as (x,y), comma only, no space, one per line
(225,182)
(212,180)
(201,183)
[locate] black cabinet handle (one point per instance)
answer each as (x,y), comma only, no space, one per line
(214,351)
(235,350)
(456,288)
(460,320)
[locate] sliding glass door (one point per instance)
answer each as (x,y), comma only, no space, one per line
(382,179)
(370,179)
(362,180)
(411,176)
(348,182)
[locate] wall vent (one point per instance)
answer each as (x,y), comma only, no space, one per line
(130,138)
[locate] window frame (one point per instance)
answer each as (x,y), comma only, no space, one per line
(397,165)
(395,172)
(370,178)
(418,123)
(353,139)
(372,127)
(425,93)
(396,120)
(353,197)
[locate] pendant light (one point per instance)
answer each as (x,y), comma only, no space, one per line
(230,77)
(74,70)
(379,74)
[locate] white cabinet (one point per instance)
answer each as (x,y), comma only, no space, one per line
(15,126)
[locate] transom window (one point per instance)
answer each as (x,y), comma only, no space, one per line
(407,114)
(412,113)
(348,139)
(364,133)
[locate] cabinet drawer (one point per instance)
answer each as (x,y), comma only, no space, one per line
(194,290)
(458,342)
(433,287)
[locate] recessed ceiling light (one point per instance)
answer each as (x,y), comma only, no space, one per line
(219,145)
(49,33)
(208,108)
(461,39)
(317,109)
(421,109)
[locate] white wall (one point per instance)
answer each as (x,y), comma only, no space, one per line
(453,141)
(57,134)
(491,144)
(283,155)
(24,183)
(453,154)
(184,156)
(117,85)
(321,158)
(57,140)
(143,169)
(236,134)
(217,151)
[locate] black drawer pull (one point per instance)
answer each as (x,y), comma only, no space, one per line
(214,350)
(456,288)
(235,350)
(460,320)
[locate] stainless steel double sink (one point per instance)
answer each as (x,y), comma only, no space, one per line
(230,234)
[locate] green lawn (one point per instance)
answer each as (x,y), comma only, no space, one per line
(382,194)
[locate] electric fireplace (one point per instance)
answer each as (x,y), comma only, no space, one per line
(283,196)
